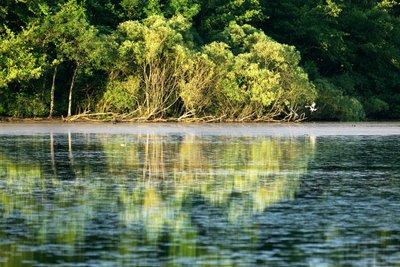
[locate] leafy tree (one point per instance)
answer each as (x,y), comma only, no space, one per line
(138,9)
(18,62)
(259,77)
(157,72)
(334,105)
(16,14)
(154,51)
(74,40)
(186,8)
(21,65)
(354,44)
(104,14)
(202,58)
(216,15)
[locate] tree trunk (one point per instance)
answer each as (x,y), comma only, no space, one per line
(52,157)
(71,158)
(53,89)
(70,91)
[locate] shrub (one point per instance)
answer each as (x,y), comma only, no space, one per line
(27,105)
(120,96)
(245,76)
(375,107)
(257,77)
(334,105)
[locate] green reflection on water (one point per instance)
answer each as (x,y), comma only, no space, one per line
(55,188)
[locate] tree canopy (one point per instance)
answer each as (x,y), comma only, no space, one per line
(189,59)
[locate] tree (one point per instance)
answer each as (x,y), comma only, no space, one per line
(186,8)
(17,14)
(258,77)
(138,9)
(18,61)
(152,51)
(74,40)
(104,14)
(215,15)
(353,44)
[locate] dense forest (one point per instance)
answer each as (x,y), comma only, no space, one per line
(211,60)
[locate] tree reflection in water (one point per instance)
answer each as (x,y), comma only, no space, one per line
(92,197)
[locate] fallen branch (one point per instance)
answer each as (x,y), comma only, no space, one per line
(188,117)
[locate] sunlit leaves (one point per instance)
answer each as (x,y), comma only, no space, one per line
(245,76)
(18,61)
(156,36)
(331,8)
(259,76)
(139,9)
(188,8)
(358,40)
(215,15)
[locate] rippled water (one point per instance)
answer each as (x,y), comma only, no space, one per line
(181,198)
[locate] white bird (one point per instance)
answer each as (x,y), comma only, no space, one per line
(312,107)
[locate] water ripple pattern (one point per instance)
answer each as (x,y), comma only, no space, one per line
(179,198)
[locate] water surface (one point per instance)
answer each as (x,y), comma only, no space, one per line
(157,195)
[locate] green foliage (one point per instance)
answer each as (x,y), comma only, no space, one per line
(375,106)
(154,51)
(16,14)
(27,105)
(18,60)
(103,13)
(155,37)
(71,39)
(258,77)
(197,83)
(235,59)
(354,40)
(72,35)
(394,106)
(120,96)
(216,15)
(187,8)
(334,105)
(138,9)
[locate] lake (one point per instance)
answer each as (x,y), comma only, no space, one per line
(199,194)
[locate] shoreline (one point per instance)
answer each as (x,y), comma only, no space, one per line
(176,121)
(248,129)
